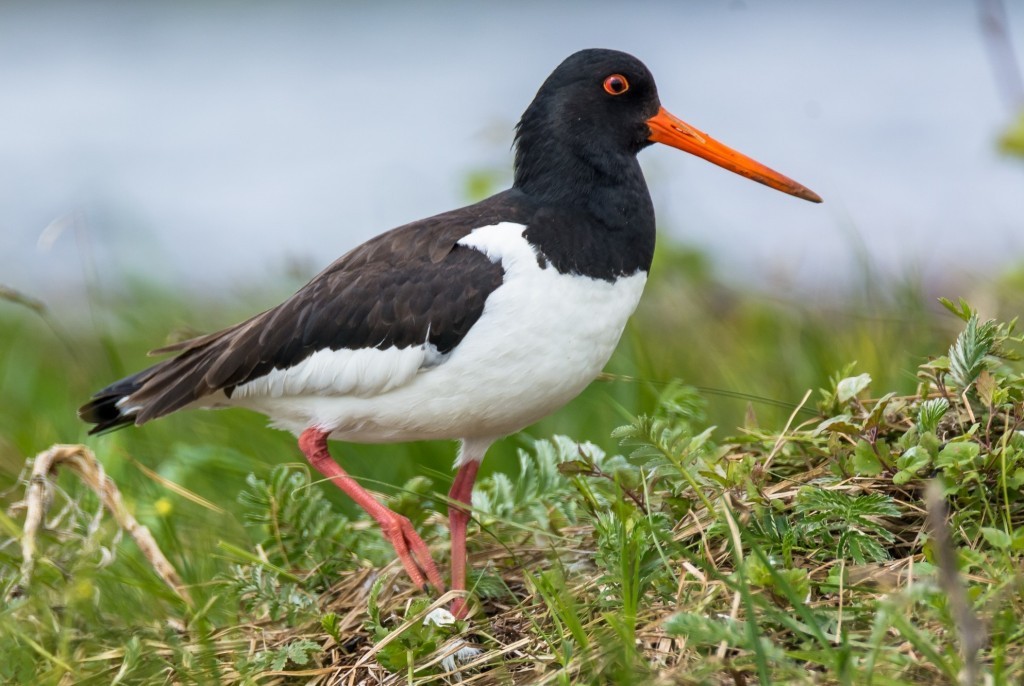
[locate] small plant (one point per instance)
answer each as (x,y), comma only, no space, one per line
(837,525)
(408,640)
(299,529)
(297,653)
(537,497)
(261,594)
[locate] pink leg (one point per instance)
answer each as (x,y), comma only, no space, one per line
(462,492)
(411,549)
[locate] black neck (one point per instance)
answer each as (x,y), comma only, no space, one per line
(595,215)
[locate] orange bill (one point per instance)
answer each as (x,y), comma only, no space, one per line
(667,129)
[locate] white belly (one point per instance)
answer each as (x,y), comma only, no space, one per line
(542,338)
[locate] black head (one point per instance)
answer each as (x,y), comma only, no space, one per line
(591,117)
(593,109)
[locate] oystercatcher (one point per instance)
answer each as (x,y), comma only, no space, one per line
(468,325)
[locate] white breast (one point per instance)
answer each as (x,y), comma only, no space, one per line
(542,337)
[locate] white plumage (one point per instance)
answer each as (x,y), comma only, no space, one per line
(362,373)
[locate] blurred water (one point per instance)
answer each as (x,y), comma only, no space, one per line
(210,143)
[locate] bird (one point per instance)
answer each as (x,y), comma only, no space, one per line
(469,325)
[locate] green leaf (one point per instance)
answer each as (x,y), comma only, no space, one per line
(848,388)
(844,522)
(913,460)
(299,528)
(930,443)
(297,652)
(969,355)
(903,476)
(860,548)
(878,411)
(865,462)
(997,538)
(930,413)
(539,496)
(796,579)
(709,631)
(841,423)
(959,454)
(261,594)
(575,468)
(414,500)
(961,308)
(329,622)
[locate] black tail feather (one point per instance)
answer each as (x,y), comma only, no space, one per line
(174,383)
(103,411)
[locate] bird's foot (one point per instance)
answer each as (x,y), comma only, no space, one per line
(412,551)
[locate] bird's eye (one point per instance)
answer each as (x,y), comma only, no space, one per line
(616,84)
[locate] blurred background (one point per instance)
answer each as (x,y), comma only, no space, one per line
(169,168)
(209,144)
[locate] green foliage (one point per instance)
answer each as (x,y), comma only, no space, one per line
(567,638)
(297,653)
(844,526)
(929,414)
(299,529)
(712,632)
(842,388)
(666,446)
(408,639)
(487,585)
(536,497)
(414,500)
(329,622)
(971,354)
(790,545)
(261,594)
(665,442)
(794,582)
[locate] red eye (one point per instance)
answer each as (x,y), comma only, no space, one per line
(616,84)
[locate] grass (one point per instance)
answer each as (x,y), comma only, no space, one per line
(765,521)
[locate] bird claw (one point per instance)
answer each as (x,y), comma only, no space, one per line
(413,553)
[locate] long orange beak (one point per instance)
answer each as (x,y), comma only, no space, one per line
(667,129)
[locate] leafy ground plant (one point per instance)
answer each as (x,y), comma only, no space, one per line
(866,537)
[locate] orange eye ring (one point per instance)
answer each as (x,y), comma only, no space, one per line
(616,84)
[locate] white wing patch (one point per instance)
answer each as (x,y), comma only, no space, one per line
(502,243)
(362,373)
